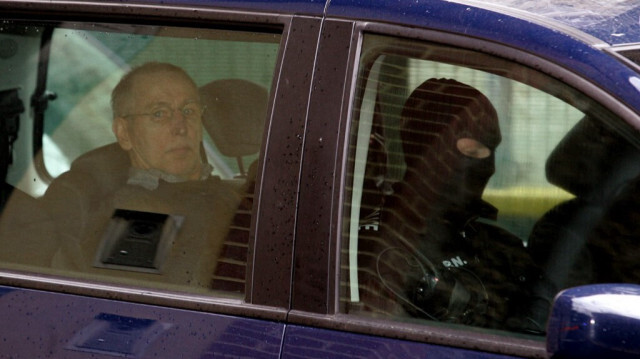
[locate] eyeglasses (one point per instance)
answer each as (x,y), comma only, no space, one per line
(163,114)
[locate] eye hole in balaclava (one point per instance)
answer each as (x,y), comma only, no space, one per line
(473,148)
(450,132)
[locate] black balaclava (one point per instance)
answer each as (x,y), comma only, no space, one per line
(441,191)
(438,199)
(436,115)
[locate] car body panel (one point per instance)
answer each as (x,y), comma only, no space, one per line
(615,22)
(320,221)
(291,299)
(301,7)
(284,158)
(55,325)
(286,151)
(320,265)
(583,328)
(547,42)
(305,342)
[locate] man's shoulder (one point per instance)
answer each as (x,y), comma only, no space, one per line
(101,170)
(493,233)
(106,159)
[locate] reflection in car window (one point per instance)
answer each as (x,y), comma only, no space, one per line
(100,58)
(150,142)
(472,181)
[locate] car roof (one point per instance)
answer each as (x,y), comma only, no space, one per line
(571,33)
(556,38)
(612,22)
(562,37)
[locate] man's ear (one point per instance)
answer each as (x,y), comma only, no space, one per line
(120,128)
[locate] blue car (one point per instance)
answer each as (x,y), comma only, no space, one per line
(319,179)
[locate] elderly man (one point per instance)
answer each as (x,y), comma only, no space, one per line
(146,208)
(157,120)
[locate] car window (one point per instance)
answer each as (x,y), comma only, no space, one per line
(477,188)
(137,152)
(100,58)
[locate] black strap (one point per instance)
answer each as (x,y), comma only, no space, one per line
(11,106)
(40,99)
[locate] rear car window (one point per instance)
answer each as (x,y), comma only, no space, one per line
(477,189)
(148,185)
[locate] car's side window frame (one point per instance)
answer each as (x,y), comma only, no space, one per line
(327,248)
(268,280)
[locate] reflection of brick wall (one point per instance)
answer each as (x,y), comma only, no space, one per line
(231,268)
(318,343)
(313,343)
(246,339)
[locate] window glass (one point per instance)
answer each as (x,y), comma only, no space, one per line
(135,156)
(477,188)
(100,58)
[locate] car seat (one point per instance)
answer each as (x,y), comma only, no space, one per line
(595,164)
(235,111)
(234,118)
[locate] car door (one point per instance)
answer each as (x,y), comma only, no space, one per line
(367,282)
(124,297)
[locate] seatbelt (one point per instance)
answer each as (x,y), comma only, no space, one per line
(40,99)
(11,106)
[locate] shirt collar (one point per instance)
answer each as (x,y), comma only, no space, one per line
(150,178)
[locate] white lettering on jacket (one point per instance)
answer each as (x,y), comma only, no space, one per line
(454,262)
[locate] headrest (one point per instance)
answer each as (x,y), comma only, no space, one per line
(592,161)
(234,115)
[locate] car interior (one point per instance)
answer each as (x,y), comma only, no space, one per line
(61,130)
(558,171)
(564,168)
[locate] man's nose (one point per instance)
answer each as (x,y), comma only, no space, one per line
(178,123)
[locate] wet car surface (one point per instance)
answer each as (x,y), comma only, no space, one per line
(390,179)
